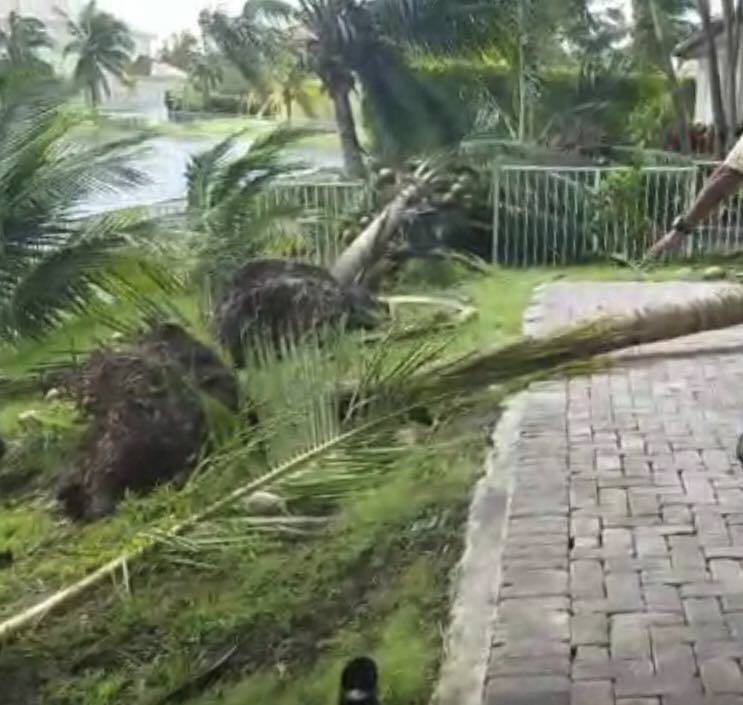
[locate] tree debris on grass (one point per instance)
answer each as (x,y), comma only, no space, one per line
(147,418)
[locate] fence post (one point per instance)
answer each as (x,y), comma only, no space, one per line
(596,184)
(691,193)
(496,211)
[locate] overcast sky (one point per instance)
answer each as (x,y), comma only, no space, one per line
(164,17)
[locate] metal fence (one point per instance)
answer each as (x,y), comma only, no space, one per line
(549,216)
(542,215)
(322,206)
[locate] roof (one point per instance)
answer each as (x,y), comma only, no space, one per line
(161,69)
(693,46)
(147,67)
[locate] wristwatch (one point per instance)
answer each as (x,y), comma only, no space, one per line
(681,226)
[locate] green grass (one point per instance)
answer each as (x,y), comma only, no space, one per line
(375,581)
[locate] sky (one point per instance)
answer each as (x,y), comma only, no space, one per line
(164,17)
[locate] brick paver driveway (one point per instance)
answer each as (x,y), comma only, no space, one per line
(622,575)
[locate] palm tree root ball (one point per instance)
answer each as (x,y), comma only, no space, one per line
(147,423)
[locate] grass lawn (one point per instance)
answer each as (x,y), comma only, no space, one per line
(374,580)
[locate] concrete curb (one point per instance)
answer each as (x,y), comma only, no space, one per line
(478,575)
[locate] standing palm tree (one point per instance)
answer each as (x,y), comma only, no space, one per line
(327,34)
(104,47)
(206,74)
(22,39)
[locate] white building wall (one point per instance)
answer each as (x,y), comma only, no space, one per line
(144,100)
(703,112)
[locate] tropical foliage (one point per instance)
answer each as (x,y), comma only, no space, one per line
(180,50)
(23,39)
(205,73)
(103,46)
(343,434)
(228,206)
(53,262)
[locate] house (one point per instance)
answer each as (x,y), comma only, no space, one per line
(693,64)
(144,98)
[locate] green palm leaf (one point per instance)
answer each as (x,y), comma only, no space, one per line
(52,263)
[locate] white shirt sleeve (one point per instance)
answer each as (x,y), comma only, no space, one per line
(735,159)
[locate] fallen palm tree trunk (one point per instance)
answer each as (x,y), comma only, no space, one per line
(369,246)
(586,341)
(512,362)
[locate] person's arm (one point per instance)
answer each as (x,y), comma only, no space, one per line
(724,182)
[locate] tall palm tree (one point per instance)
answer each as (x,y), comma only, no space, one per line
(180,50)
(331,36)
(206,74)
(104,48)
(23,38)
(289,86)
(52,263)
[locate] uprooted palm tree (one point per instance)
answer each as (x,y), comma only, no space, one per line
(236,219)
(326,448)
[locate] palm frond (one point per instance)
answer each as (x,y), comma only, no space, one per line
(202,168)
(311,444)
(583,342)
(53,264)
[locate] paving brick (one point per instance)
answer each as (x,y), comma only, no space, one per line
(718,648)
(545,690)
(617,541)
(624,589)
(612,669)
(614,500)
(702,610)
(542,666)
(734,622)
(592,693)
(598,654)
(650,543)
(674,634)
(589,629)
(535,582)
(662,598)
(586,579)
(666,684)
(698,699)
(674,658)
(629,565)
(720,675)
